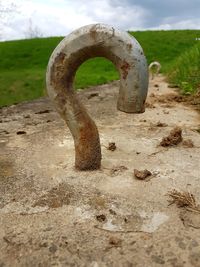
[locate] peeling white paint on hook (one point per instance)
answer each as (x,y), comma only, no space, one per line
(87,42)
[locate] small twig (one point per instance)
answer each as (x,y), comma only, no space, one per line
(159,151)
(183,200)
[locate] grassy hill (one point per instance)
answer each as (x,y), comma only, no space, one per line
(23,63)
(185,71)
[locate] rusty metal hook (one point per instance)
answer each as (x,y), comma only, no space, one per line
(96,40)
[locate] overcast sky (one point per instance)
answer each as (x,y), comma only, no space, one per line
(59,17)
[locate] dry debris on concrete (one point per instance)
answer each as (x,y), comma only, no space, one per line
(142,175)
(161,124)
(183,199)
(173,139)
(112,146)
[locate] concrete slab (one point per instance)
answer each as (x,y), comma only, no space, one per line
(53,215)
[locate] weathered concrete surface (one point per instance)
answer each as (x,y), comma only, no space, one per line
(48,209)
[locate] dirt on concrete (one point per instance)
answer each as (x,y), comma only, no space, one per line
(54,215)
(173,139)
(142,175)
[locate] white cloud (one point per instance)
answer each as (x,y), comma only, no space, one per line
(181,25)
(121,16)
(59,17)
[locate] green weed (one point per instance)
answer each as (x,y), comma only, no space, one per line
(185,71)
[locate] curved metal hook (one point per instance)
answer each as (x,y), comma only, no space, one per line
(157,66)
(97,40)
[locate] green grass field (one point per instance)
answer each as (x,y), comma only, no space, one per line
(23,63)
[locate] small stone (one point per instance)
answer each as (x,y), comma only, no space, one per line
(43,111)
(112,212)
(92,95)
(173,139)
(161,124)
(112,146)
(101,218)
(27,116)
(53,248)
(115,241)
(21,132)
(142,175)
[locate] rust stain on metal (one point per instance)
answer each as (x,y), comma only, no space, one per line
(129,46)
(60,58)
(88,150)
(87,132)
(57,69)
(125,68)
(59,62)
(93,33)
(60,101)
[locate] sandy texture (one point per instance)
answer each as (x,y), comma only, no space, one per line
(53,215)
